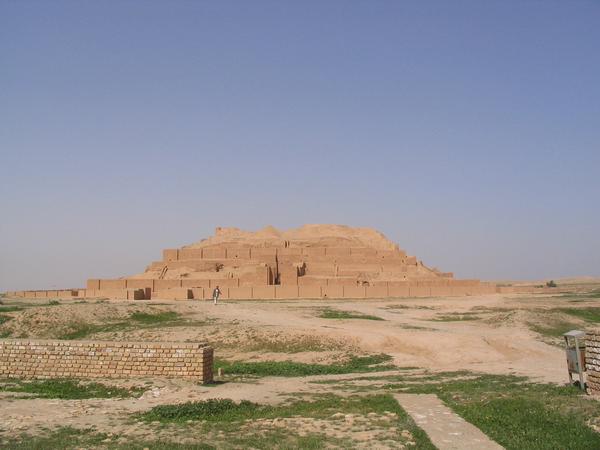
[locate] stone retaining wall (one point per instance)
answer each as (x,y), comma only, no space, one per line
(104,359)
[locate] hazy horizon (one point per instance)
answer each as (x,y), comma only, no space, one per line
(466,132)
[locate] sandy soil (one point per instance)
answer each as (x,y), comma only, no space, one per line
(415,332)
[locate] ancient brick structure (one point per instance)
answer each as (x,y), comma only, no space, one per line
(103,359)
(592,360)
(314,261)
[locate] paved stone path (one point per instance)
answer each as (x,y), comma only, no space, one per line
(447,430)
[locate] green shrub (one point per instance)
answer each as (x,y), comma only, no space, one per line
(214,409)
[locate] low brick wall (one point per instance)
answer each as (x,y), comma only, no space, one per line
(172,290)
(592,360)
(104,359)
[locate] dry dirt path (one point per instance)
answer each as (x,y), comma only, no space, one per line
(446,429)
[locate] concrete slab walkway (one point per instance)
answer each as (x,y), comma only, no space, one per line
(447,430)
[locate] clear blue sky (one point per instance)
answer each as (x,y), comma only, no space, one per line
(466,131)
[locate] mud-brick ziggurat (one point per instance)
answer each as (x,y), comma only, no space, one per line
(313,261)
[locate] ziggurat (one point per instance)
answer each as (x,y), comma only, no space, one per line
(313,261)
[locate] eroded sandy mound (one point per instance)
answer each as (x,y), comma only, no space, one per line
(57,321)
(307,235)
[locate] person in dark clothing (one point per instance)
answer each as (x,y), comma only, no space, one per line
(216,293)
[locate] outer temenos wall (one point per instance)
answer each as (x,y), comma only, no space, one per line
(103,359)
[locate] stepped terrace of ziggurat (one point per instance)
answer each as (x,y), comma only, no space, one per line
(313,261)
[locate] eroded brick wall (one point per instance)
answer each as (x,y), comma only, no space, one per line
(104,359)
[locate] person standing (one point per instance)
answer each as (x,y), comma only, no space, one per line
(216,293)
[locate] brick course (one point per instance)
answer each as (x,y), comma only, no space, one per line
(592,360)
(104,359)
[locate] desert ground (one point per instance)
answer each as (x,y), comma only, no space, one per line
(311,373)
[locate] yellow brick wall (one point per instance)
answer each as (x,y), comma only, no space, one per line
(103,359)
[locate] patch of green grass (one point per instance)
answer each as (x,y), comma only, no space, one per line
(76,439)
(567,296)
(22,304)
(518,414)
(212,410)
(557,321)
(591,294)
(11,308)
(529,423)
(288,345)
(4,318)
(487,309)
(160,445)
(512,411)
(591,314)
(337,314)
(63,438)
(387,383)
(296,369)
(407,377)
(80,330)
(221,412)
(66,389)
(409,307)
(285,439)
(156,318)
(406,326)
(456,317)
(554,328)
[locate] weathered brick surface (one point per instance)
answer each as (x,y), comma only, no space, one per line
(104,359)
(592,360)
